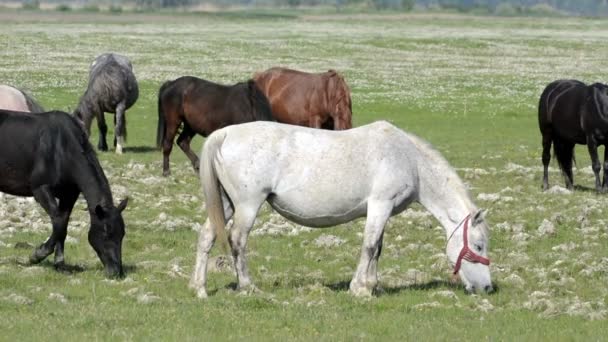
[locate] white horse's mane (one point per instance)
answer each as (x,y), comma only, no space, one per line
(438,162)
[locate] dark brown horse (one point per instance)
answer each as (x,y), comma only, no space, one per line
(305,99)
(204,107)
(571,112)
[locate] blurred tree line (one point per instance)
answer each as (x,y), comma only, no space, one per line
(497,7)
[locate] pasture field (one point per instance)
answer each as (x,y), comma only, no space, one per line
(469,85)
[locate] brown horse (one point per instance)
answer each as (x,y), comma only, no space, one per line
(204,107)
(305,99)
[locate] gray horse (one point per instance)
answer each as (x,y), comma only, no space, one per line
(113,89)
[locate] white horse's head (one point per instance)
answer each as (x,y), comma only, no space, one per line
(467,250)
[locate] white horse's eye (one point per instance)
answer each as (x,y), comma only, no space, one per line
(478,247)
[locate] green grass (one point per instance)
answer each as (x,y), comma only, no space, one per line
(469,85)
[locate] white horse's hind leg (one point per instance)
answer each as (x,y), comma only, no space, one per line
(244,217)
(206,238)
(366,277)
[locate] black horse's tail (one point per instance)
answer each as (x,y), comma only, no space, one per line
(161,127)
(564,153)
(259,103)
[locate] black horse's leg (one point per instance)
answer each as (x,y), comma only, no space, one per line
(103,130)
(595,161)
(46,199)
(184,143)
(66,203)
(546,159)
(604,183)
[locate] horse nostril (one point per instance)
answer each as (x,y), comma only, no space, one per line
(488,289)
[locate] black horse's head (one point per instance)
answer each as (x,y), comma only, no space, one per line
(105,236)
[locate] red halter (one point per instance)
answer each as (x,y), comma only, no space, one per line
(466,253)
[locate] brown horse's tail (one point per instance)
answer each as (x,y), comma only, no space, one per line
(211,185)
(259,103)
(341,104)
(161,127)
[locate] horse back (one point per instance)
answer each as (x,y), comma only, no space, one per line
(35,149)
(294,96)
(206,106)
(13,99)
(560,107)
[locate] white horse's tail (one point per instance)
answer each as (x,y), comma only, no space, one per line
(211,186)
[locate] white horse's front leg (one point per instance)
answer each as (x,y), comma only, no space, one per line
(206,237)
(366,276)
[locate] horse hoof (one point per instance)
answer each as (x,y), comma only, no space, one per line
(38,256)
(166,173)
(119,150)
(202,294)
(361,291)
(60,266)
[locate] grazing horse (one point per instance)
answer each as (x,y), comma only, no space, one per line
(571,112)
(14,99)
(48,156)
(113,89)
(305,99)
(321,178)
(203,107)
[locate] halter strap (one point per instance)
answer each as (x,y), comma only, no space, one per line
(466,253)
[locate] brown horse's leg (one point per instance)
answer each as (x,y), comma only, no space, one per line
(170,131)
(546,159)
(184,143)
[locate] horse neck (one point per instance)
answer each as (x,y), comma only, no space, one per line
(443,194)
(92,182)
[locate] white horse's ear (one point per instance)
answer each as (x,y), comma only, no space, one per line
(478,217)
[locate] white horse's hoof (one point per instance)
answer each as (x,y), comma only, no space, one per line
(201,294)
(248,290)
(361,291)
(118,149)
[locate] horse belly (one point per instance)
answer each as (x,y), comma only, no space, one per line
(317,210)
(14,182)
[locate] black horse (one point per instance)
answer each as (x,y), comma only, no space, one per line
(571,112)
(204,107)
(48,156)
(113,89)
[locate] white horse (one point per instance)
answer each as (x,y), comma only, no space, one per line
(322,178)
(14,99)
